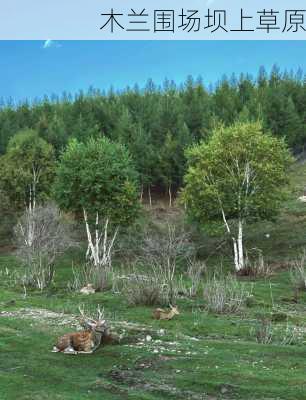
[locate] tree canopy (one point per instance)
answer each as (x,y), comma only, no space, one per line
(238,175)
(149,120)
(27,169)
(241,168)
(98,176)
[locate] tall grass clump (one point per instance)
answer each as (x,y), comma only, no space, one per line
(298,273)
(41,236)
(224,295)
(256,267)
(148,288)
(88,273)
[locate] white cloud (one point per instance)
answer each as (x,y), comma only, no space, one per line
(50,43)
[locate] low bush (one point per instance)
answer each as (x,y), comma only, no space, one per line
(195,273)
(41,235)
(256,267)
(191,282)
(142,290)
(150,288)
(298,273)
(265,333)
(224,295)
(100,278)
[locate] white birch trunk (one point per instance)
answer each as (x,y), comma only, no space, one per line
(170,196)
(99,250)
(31,209)
(150,198)
(236,258)
(91,249)
(28,231)
(31,226)
(240,245)
(237,243)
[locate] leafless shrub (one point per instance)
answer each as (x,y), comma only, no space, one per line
(195,271)
(100,278)
(38,275)
(41,236)
(167,247)
(139,291)
(224,295)
(291,335)
(127,248)
(149,288)
(163,251)
(9,277)
(256,267)
(298,273)
(190,283)
(263,331)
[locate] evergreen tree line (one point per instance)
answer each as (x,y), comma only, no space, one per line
(158,123)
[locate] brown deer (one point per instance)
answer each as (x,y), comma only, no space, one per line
(88,289)
(86,341)
(159,313)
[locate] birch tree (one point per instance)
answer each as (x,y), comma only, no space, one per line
(50,237)
(26,174)
(97,180)
(27,170)
(237,177)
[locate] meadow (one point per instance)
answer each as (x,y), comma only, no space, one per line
(257,352)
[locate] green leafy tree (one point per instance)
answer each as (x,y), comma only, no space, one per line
(293,128)
(52,129)
(27,169)
(196,108)
(238,176)
(98,179)
(172,159)
(142,150)
(225,102)
(141,119)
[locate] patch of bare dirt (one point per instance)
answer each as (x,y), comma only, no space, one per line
(128,332)
(42,315)
(135,381)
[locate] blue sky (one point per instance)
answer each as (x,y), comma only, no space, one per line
(30,69)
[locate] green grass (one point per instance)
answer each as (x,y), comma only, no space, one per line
(199,356)
(171,366)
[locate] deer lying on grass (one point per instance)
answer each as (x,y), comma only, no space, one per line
(88,289)
(159,313)
(86,341)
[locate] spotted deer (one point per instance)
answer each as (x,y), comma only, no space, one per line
(86,341)
(159,313)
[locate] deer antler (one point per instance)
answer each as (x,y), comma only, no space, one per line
(84,316)
(100,312)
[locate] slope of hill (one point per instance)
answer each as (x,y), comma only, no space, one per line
(256,353)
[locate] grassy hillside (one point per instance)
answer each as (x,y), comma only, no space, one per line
(198,355)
